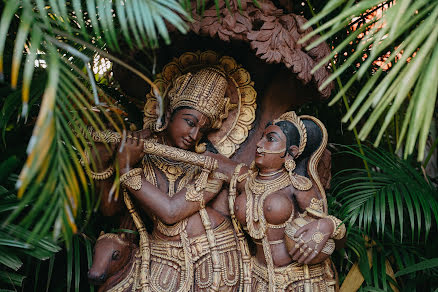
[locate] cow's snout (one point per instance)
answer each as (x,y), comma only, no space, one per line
(96,278)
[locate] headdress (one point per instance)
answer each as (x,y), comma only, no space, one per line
(296,121)
(203,91)
(239,110)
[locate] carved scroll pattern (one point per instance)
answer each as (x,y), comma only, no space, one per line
(273,34)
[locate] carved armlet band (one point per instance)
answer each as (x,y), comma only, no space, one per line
(193,195)
(220,176)
(340,230)
(132,179)
(107,173)
(236,178)
(316,208)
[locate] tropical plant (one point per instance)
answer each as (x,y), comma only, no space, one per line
(402,36)
(47,50)
(376,205)
(65,39)
(15,246)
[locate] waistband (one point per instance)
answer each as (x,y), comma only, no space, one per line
(225,240)
(288,274)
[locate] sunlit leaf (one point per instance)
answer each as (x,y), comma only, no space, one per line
(407,30)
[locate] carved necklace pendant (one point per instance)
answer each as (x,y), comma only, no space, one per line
(172,170)
(256,193)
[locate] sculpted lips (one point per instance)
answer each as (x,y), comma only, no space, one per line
(259,153)
(187,142)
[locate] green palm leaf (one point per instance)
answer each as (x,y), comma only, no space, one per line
(407,28)
(394,189)
(15,242)
(427,264)
(67,35)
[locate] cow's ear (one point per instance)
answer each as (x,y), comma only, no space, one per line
(123,236)
(101,233)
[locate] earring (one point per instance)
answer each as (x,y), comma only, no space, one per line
(200,147)
(290,165)
(159,126)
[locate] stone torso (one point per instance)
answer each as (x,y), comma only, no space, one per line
(194,225)
(278,208)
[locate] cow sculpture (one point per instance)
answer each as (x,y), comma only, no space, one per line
(116,263)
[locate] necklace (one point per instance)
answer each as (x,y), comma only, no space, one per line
(179,228)
(171,169)
(271,173)
(256,193)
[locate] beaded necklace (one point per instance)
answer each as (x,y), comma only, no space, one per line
(256,193)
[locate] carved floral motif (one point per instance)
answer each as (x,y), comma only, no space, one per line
(270,32)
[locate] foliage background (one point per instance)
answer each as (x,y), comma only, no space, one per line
(48,50)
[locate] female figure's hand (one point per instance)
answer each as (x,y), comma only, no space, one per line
(310,239)
(130,151)
(225,165)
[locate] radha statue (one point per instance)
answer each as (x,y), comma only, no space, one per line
(283,213)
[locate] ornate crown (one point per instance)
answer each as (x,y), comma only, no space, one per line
(294,119)
(203,91)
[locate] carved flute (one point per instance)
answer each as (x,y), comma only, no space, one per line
(155,148)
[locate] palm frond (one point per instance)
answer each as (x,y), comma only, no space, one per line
(395,193)
(15,242)
(407,30)
(67,35)
(427,264)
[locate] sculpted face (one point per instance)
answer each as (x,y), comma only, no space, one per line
(271,149)
(186,127)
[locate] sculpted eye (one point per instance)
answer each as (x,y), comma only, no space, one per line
(271,139)
(116,255)
(190,122)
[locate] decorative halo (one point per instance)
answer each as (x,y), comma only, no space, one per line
(241,113)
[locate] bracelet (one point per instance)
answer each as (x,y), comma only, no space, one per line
(213,186)
(316,205)
(329,247)
(103,175)
(316,208)
(107,173)
(192,194)
(132,179)
(315,213)
(340,230)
